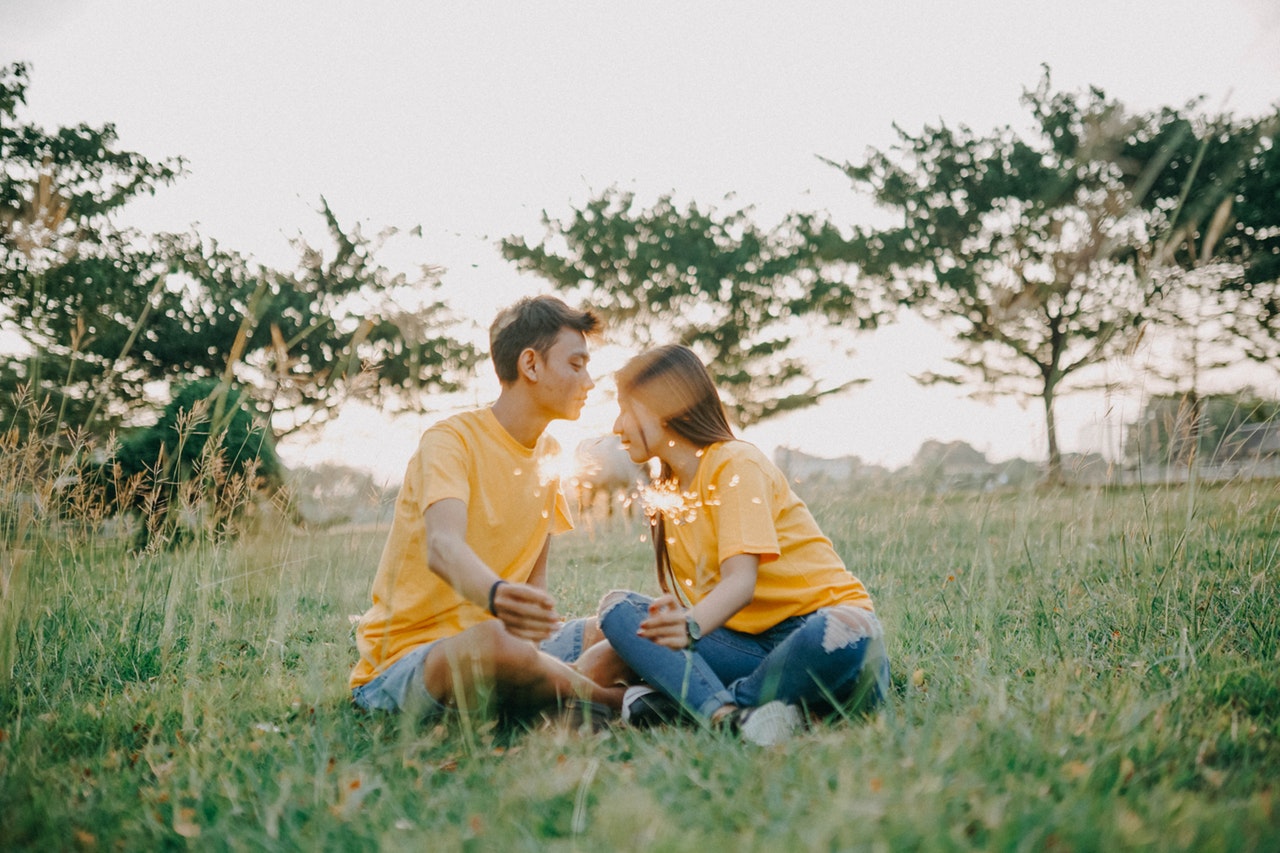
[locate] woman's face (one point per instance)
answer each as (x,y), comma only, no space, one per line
(641,431)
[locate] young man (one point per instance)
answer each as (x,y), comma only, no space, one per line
(460,600)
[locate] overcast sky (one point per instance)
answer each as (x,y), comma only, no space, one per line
(470,119)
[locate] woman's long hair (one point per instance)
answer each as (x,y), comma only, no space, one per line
(672,382)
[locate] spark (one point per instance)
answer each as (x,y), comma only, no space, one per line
(664,497)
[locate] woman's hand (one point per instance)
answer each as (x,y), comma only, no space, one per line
(667,624)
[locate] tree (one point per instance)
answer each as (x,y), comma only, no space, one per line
(1038,251)
(715,281)
(1252,239)
(110,318)
(207,455)
(302,343)
(1215,273)
(70,280)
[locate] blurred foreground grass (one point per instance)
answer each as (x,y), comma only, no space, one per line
(1074,670)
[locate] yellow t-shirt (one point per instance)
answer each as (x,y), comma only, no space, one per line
(512,507)
(740,503)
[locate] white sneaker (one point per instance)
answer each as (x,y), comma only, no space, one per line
(766,725)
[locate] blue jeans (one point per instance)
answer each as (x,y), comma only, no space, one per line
(400,688)
(831,658)
(566,643)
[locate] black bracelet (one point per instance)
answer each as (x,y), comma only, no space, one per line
(492,590)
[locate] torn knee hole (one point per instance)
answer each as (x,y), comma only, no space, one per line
(846,626)
(611,599)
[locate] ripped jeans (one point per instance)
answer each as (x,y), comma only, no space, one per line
(831,658)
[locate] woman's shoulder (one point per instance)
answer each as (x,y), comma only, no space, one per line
(737,449)
(729,455)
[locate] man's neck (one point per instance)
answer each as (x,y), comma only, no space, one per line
(518,418)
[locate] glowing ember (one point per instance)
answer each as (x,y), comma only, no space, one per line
(663,497)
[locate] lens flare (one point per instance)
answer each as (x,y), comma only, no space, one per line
(559,467)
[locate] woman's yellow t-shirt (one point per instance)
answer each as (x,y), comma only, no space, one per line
(741,503)
(512,507)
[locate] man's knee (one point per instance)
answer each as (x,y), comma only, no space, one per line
(492,645)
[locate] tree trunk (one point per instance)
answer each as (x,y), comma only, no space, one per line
(1053,476)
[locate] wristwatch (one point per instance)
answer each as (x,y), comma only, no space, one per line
(693,629)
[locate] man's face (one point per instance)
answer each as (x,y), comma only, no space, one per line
(563,377)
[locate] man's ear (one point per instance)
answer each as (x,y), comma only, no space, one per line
(527,364)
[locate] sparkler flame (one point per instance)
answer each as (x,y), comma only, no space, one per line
(664,497)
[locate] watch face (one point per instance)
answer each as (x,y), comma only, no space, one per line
(695,632)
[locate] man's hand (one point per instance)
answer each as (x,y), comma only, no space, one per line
(666,625)
(526,611)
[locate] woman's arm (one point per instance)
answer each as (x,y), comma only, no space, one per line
(667,624)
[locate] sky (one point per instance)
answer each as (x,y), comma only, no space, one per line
(469,120)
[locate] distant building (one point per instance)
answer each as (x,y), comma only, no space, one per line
(800,467)
(1088,469)
(951,466)
(1252,441)
(1018,473)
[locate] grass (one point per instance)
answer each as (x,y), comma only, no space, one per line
(1074,670)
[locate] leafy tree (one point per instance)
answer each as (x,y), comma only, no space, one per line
(1037,251)
(1252,239)
(738,294)
(208,454)
(106,316)
(340,326)
(71,281)
(1215,273)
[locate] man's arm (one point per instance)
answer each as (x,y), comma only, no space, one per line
(526,610)
(538,577)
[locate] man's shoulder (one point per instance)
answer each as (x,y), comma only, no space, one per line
(460,424)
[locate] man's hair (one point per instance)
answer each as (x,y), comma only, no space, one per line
(533,323)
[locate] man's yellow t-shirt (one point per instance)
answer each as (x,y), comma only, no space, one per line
(741,503)
(512,507)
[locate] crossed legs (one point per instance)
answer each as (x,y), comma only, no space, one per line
(485,666)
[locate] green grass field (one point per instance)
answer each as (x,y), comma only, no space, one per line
(1074,670)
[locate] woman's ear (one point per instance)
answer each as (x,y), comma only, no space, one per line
(527,364)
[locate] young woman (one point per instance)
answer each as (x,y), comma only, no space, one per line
(759,617)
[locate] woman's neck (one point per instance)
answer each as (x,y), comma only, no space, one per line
(683,459)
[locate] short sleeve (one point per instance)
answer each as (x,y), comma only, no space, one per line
(744,511)
(441,468)
(561,519)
